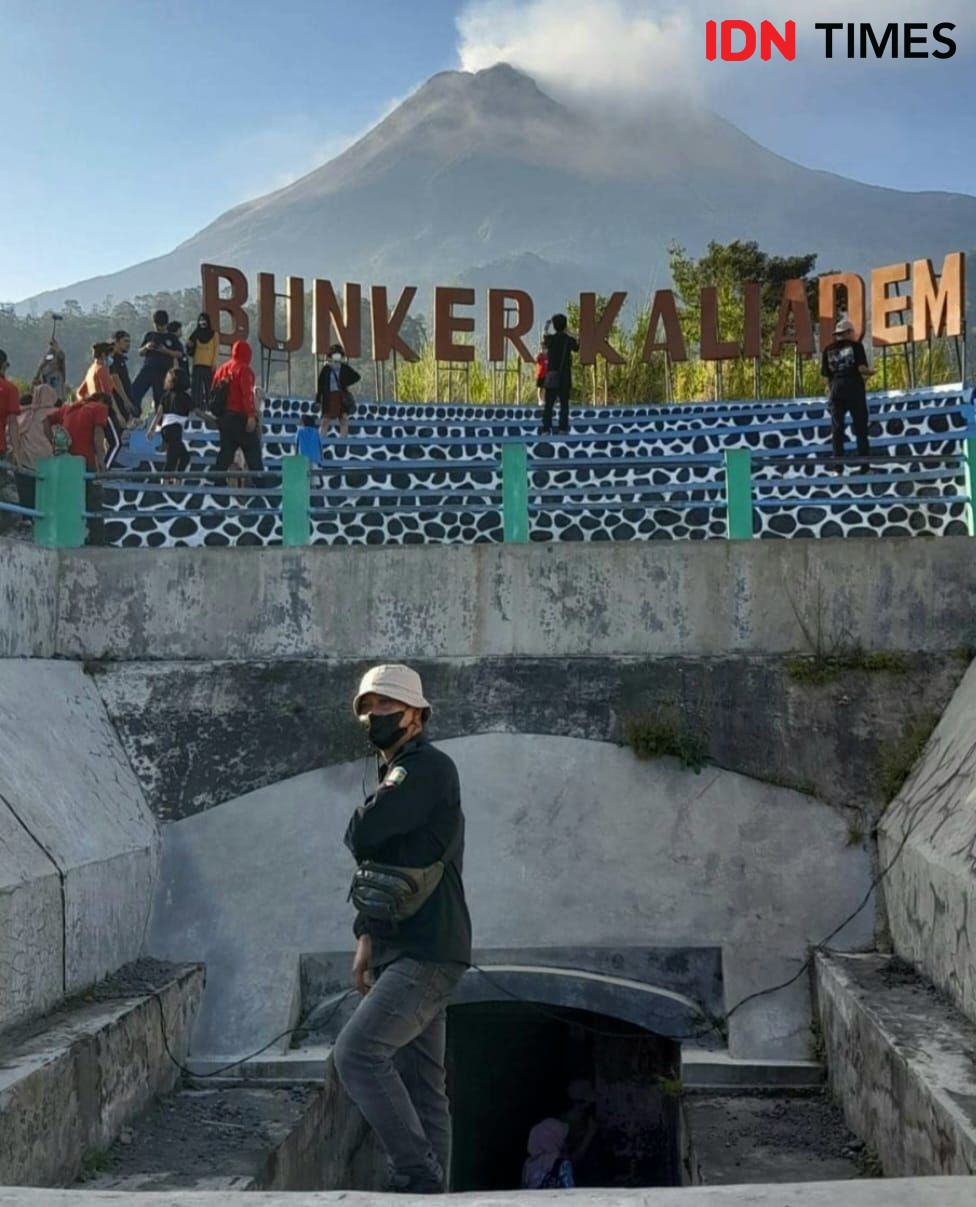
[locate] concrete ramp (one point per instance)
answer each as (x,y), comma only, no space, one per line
(79,847)
(570,843)
(929,836)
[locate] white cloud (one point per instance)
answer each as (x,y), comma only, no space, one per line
(624,51)
(603,49)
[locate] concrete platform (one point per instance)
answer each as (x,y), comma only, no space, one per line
(901,1061)
(241,1138)
(915,1192)
(71,1081)
(735,1139)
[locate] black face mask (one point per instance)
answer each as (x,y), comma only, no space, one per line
(385,729)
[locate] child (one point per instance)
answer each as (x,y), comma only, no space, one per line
(309,441)
(541,369)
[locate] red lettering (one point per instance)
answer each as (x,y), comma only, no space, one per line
(711,41)
(785,43)
(748,32)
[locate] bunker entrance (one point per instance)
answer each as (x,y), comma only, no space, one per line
(510,1066)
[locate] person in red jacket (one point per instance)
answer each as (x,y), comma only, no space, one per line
(238,426)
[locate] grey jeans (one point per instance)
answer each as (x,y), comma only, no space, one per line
(390,1058)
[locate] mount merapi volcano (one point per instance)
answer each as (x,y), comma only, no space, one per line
(481,178)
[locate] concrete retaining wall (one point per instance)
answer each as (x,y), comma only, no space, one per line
(188,727)
(569,843)
(929,837)
(28,600)
(663,599)
(901,1063)
(79,848)
(71,1084)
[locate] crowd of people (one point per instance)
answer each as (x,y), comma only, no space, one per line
(186,380)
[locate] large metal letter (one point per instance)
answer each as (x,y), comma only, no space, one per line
(498,332)
(213,304)
(294,314)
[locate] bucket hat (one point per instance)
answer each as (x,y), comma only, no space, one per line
(394,680)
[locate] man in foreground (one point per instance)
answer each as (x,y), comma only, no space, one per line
(390,1055)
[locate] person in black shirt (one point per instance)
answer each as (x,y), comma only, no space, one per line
(172,415)
(559,346)
(118,366)
(390,1055)
(176,328)
(161,350)
(845,365)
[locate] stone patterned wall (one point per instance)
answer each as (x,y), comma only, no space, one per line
(391,483)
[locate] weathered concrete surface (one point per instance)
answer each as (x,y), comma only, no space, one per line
(671,991)
(31,924)
(70,1082)
(673,858)
(216,1138)
(188,727)
(66,782)
(914,1192)
(351,1155)
(901,1061)
(28,600)
(647,598)
(930,890)
(754,1138)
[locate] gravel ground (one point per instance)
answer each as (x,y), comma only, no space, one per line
(199,1134)
(773,1137)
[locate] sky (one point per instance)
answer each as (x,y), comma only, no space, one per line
(130,125)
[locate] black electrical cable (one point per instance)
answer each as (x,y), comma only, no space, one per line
(243,1059)
(718,1024)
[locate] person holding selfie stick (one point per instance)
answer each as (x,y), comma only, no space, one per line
(559,346)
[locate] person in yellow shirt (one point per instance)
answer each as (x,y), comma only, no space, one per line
(203,348)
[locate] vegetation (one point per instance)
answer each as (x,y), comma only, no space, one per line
(896,759)
(727,267)
(816,670)
(93,1164)
(855,831)
(664,734)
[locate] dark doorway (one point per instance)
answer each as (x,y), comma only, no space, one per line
(509,1066)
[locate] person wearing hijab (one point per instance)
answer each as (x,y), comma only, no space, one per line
(34,444)
(333,394)
(547,1166)
(238,425)
(203,348)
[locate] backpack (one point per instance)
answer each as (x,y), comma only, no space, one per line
(218,398)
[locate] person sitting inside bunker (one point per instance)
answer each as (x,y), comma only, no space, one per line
(413,933)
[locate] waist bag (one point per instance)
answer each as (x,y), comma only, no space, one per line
(385,893)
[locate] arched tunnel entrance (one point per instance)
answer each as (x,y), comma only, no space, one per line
(510,1065)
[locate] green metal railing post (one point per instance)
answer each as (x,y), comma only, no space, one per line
(969,461)
(61,502)
(738,494)
(515,493)
(296,501)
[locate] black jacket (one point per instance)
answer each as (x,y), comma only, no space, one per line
(347,378)
(410,823)
(560,347)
